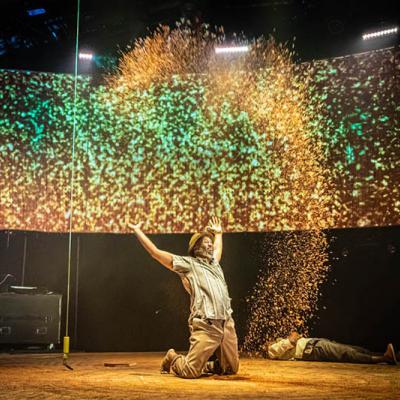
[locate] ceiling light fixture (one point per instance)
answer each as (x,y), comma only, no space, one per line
(86,56)
(231,49)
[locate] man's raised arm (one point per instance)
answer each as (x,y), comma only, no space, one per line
(215,227)
(163,257)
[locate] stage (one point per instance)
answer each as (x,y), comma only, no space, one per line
(43,376)
(225,171)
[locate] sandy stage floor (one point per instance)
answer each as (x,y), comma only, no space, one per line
(42,376)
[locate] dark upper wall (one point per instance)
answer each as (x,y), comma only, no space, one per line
(322,28)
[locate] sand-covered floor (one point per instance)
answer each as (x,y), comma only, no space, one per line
(42,376)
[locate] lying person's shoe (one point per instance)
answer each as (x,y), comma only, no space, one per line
(167,361)
(390,355)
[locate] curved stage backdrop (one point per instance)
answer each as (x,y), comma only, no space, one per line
(165,156)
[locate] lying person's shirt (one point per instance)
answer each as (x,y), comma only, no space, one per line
(282,349)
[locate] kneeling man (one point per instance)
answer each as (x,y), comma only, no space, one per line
(212,329)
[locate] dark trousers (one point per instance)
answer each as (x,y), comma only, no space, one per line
(327,350)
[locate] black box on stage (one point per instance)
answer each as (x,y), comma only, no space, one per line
(30,318)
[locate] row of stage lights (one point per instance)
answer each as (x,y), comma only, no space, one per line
(86,56)
(384,32)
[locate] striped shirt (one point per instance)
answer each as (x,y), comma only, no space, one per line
(205,283)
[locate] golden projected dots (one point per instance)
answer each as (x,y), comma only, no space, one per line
(259,146)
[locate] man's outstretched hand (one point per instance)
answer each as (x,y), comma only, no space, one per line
(214,225)
(163,257)
(135,227)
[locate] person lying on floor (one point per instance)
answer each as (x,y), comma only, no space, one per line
(297,347)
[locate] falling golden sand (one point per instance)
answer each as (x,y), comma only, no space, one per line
(287,290)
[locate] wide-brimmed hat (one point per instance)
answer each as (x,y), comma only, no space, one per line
(195,238)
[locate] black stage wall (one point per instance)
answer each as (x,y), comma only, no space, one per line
(122,300)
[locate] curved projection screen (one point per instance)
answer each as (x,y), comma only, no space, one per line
(166,158)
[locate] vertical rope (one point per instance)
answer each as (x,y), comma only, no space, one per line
(72,182)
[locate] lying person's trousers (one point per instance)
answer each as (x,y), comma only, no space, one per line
(209,336)
(327,350)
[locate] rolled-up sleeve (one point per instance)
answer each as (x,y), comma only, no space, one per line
(279,349)
(181,264)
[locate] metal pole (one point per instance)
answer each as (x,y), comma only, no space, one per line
(78,247)
(24,261)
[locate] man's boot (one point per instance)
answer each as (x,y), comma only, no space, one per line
(213,367)
(167,361)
